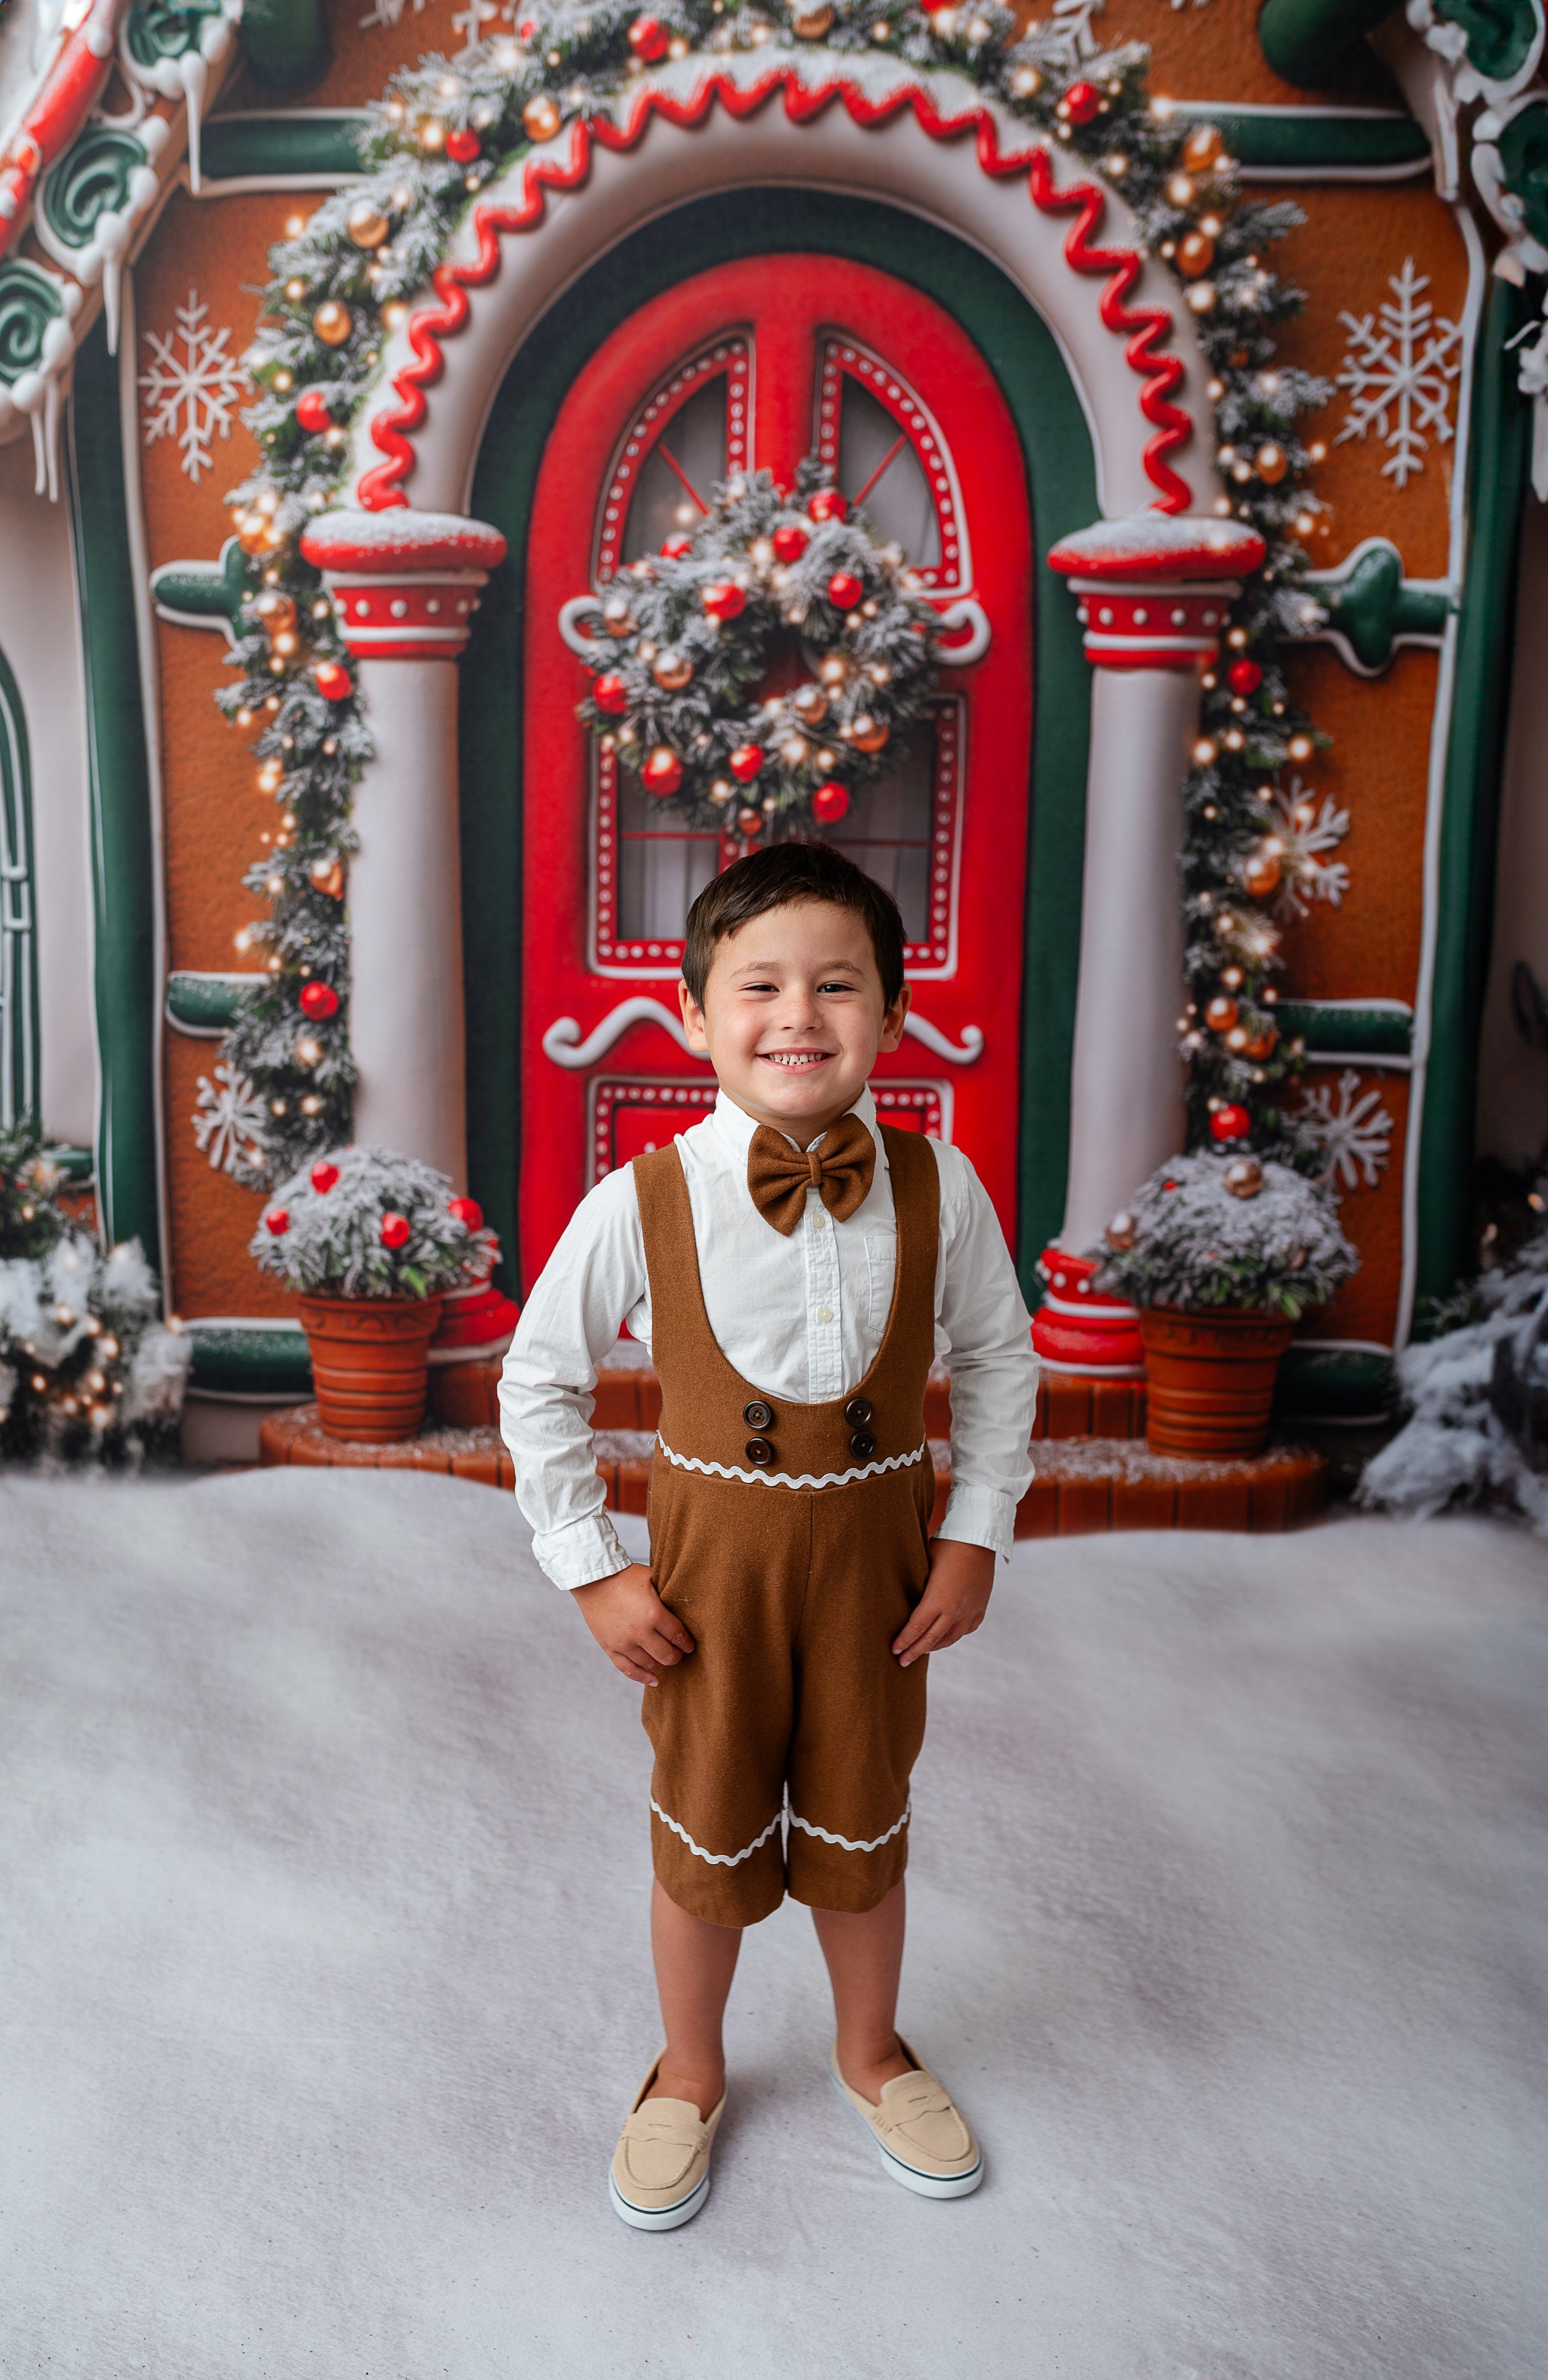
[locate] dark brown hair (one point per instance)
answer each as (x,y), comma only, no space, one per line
(774,878)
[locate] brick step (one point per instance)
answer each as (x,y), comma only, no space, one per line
(629,1396)
(1083,1485)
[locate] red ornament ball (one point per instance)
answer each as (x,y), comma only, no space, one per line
(313,411)
(828,505)
(465,1211)
(790,542)
(724,600)
(463,147)
(830,803)
(1245,678)
(323,1176)
(333,681)
(647,39)
(395,1230)
(663,772)
(610,694)
(1082,100)
(277,1221)
(678,547)
(746,763)
(1229,1122)
(845,590)
(319,1002)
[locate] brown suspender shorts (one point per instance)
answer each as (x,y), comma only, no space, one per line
(791,1541)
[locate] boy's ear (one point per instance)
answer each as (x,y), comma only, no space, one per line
(693,1020)
(892,1022)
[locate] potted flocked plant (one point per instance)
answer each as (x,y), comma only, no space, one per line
(1222,1255)
(371,1242)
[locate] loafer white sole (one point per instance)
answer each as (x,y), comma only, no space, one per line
(664,2218)
(925,2185)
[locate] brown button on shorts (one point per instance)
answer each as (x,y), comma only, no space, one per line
(791,1541)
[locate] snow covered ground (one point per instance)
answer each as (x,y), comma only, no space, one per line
(324,1980)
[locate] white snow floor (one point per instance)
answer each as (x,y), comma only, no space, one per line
(324,1980)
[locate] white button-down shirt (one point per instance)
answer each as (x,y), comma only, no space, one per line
(800,1317)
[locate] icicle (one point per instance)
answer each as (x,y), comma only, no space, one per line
(194,75)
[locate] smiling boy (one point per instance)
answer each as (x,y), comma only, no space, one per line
(795,1268)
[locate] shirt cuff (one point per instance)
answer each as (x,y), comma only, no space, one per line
(980,1516)
(581,1552)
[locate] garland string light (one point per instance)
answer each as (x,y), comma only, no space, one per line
(1255,844)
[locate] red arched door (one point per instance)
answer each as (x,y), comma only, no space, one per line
(754,365)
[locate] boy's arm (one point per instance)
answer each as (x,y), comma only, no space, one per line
(994,1370)
(595,1281)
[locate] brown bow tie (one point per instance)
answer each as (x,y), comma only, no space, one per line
(840,1168)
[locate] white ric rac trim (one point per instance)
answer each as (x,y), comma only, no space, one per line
(842,1841)
(720,1859)
(788,1479)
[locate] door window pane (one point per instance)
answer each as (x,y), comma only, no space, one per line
(663,867)
(887,830)
(878,468)
(695,441)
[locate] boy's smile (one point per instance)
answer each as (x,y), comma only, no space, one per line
(794,1017)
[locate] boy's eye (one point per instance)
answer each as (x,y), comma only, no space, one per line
(835,987)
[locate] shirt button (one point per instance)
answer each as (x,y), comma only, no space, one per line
(819,1222)
(825,1314)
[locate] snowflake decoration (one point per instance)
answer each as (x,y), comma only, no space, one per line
(229,1125)
(387,12)
(200,390)
(1354,1137)
(1401,376)
(470,21)
(1305,833)
(1072,39)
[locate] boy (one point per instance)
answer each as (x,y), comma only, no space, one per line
(795,1269)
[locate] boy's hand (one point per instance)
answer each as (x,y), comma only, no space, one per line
(632,1625)
(955,1600)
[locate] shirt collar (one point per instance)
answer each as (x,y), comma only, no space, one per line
(736,1127)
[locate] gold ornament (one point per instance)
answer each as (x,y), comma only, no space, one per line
(1195,254)
(541,117)
(673,670)
(275,611)
(1243,1177)
(1272,463)
(366,223)
(332,322)
(810,705)
(749,821)
(1202,150)
(868,734)
(1261,874)
(617,617)
(1122,1232)
(812,24)
(1221,1015)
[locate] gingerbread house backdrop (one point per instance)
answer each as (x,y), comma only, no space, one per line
(847,233)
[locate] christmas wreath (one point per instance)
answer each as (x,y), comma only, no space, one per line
(686,636)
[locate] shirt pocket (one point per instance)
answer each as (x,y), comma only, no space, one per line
(881,1265)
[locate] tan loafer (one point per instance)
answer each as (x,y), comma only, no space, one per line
(925,2142)
(661,2167)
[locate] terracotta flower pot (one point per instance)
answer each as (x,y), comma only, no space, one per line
(368,1363)
(1210,1379)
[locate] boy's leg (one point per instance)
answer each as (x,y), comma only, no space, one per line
(694,1963)
(865,1957)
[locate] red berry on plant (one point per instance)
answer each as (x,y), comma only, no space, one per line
(465,1211)
(313,411)
(746,763)
(647,39)
(676,547)
(663,772)
(463,147)
(1082,100)
(724,600)
(1245,678)
(845,590)
(332,681)
(277,1221)
(324,1174)
(1229,1122)
(828,505)
(790,542)
(319,1002)
(830,803)
(610,694)
(395,1230)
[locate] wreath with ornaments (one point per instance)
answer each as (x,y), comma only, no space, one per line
(1259,837)
(770,583)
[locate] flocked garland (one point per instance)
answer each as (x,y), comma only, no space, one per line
(1256,839)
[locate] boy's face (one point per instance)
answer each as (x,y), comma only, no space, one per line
(793,1016)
